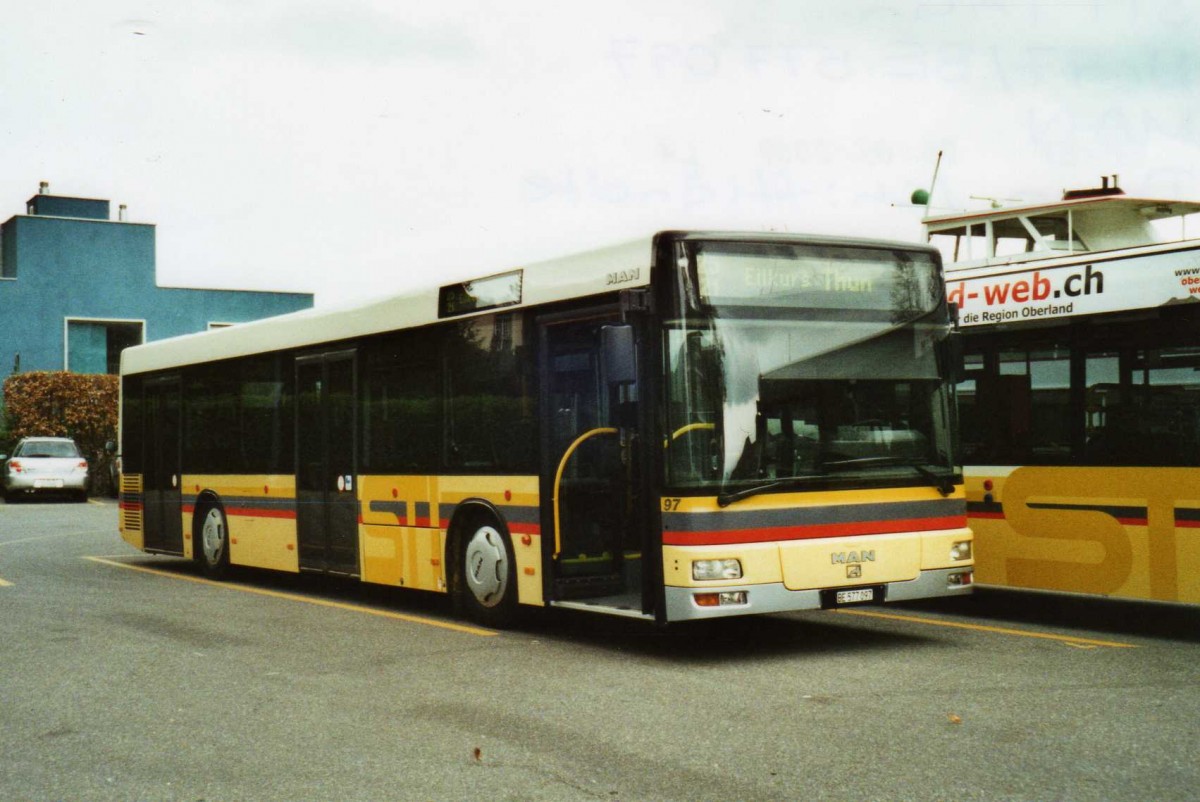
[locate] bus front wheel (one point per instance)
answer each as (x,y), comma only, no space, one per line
(213,547)
(488,588)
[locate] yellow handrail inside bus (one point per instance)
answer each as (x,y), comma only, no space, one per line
(682,430)
(691,427)
(562,466)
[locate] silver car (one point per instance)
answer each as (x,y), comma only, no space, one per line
(51,465)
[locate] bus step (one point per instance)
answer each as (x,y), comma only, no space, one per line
(627,606)
(588,587)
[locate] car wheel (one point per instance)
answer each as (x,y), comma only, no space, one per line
(212,546)
(489,574)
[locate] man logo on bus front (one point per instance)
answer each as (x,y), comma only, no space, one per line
(852,557)
(853,561)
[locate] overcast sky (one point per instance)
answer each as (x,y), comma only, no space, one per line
(356,147)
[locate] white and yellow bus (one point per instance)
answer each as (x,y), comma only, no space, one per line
(1081,406)
(688,426)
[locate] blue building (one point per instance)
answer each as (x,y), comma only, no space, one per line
(77,287)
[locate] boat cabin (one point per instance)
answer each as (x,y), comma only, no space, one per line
(1084,221)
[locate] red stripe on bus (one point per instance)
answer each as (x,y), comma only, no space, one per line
(255,512)
(425,522)
(999,516)
(729,536)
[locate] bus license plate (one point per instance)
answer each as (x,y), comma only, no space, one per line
(856,596)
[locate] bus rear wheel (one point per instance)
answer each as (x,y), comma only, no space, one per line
(212,550)
(488,590)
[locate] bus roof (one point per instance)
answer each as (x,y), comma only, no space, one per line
(573,276)
(618,267)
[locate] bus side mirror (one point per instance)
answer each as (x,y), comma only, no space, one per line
(618,357)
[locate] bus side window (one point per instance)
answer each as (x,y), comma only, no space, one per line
(1143,407)
(402,415)
(489,395)
(1015,407)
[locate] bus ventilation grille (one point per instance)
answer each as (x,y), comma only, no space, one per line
(131,502)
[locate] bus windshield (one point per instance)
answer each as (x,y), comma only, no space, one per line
(790,364)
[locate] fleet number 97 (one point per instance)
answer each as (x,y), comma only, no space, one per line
(670,504)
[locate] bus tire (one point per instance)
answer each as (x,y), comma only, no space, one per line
(487,588)
(212,542)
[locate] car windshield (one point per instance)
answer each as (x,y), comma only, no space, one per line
(47,448)
(796,363)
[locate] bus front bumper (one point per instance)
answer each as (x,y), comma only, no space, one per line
(690,604)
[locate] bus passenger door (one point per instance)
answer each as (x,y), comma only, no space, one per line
(588,469)
(326,496)
(161,479)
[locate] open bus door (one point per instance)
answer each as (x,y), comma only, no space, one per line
(589,466)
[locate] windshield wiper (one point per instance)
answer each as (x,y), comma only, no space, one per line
(941,481)
(725,499)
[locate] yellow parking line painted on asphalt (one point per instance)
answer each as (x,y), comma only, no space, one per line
(47,537)
(1070,640)
(275,594)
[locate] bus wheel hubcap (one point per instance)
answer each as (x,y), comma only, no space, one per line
(213,536)
(487,566)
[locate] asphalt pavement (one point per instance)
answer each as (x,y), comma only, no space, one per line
(125,676)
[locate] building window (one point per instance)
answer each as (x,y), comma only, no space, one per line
(8,261)
(94,346)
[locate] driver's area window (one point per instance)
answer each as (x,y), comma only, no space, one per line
(694,392)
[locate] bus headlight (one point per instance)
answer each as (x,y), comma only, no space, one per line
(707,570)
(961,550)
